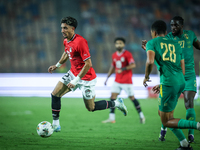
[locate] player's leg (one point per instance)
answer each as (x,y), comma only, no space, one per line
(111,118)
(174,124)
(167,102)
(89,96)
(60,89)
(138,108)
(189,94)
(115,91)
(163,131)
(190,112)
(56,95)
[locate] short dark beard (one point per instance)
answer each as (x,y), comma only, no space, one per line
(119,49)
(177,33)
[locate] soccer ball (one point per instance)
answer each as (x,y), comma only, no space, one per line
(44,129)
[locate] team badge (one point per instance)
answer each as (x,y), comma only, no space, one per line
(122,59)
(87,93)
(186,36)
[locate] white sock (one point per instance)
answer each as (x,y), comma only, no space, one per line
(141,115)
(184,143)
(116,103)
(112,116)
(198,126)
(164,129)
(56,122)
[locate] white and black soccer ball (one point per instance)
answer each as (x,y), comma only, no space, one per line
(44,129)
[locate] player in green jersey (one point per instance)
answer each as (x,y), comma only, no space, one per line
(187,39)
(168,56)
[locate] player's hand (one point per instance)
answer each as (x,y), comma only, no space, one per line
(119,71)
(144,42)
(70,85)
(105,83)
(156,89)
(146,79)
(52,68)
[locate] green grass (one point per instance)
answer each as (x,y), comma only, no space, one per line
(82,129)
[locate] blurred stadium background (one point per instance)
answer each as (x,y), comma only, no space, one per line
(30,38)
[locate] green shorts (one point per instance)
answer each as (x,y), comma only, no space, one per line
(168,97)
(190,82)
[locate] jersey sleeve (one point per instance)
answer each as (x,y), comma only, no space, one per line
(194,38)
(113,62)
(83,49)
(150,46)
(130,58)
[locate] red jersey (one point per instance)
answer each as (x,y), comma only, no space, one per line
(78,51)
(120,60)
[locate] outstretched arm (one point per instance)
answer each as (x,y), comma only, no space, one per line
(110,72)
(62,60)
(149,66)
(197,44)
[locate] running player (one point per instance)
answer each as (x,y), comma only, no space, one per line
(122,65)
(187,39)
(81,75)
(168,56)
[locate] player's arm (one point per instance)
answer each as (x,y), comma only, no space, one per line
(149,66)
(110,72)
(129,67)
(183,66)
(84,70)
(196,44)
(62,60)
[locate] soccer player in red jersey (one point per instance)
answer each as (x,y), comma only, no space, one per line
(122,65)
(81,75)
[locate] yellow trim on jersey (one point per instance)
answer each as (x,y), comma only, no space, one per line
(161,94)
(151,50)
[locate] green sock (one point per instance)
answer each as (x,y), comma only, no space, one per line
(191,115)
(179,133)
(187,124)
(163,127)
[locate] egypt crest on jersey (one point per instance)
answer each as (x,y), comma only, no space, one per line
(78,52)
(120,60)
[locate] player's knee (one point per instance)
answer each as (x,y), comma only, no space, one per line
(55,94)
(90,108)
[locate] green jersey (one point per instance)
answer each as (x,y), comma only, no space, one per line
(168,56)
(186,41)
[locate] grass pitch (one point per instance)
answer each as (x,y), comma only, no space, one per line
(83,130)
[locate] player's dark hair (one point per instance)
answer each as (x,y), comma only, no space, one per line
(159,26)
(178,18)
(120,38)
(70,21)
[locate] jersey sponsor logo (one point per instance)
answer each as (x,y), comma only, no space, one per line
(85,54)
